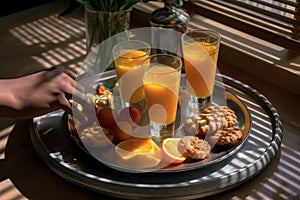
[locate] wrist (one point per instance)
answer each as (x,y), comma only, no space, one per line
(9,95)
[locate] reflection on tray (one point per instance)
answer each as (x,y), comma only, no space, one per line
(51,139)
(141,154)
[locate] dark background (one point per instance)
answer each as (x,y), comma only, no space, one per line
(12,6)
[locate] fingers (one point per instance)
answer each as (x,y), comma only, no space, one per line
(77,112)
(65,105)
(88,107)
(79,87)
(71,90)
(70,108)
(72,82)
(75,92)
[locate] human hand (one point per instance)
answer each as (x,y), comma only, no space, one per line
(38,93)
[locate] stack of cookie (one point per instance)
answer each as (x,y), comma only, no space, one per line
(216,124)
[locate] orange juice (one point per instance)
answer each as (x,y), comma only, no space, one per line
(200,60)
(161,85)
(129,75)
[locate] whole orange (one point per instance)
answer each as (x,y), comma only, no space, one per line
(122,131)
(106,118)
(130,114)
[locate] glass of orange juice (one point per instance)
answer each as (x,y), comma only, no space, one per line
(161,79)
(128,57)
(200,51)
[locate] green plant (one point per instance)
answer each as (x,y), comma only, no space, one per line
(109,5)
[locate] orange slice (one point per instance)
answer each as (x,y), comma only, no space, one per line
(170,151)
(139,153)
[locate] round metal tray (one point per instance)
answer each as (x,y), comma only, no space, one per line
(106,155)
(51,138)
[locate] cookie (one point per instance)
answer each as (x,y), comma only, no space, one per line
(229,136)
(220,113)
(95,136)
(210,120)
(193,147)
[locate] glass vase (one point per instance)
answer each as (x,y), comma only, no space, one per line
(107,29)
(101,25)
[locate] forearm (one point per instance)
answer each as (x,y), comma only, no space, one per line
(9,105)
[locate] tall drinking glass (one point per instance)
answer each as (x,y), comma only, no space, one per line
(128,57)
(200,52)
(161,79)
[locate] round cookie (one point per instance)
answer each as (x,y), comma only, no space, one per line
(222,114)
(193,147)
(229,136)
(96,137)
(210,120)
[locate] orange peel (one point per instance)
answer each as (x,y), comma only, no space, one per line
(138,153)
(170,151)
